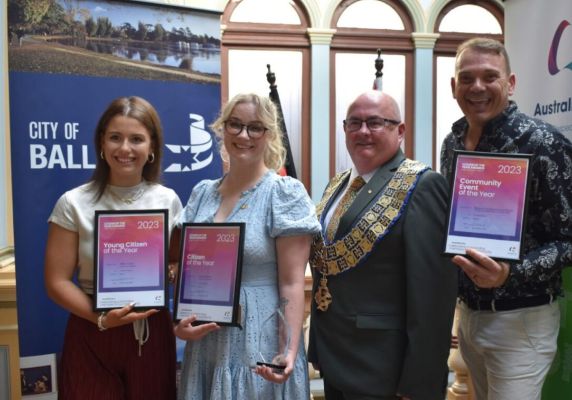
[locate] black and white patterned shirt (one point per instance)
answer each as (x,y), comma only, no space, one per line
(547,244)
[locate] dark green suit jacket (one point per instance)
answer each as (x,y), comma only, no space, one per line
(388,328)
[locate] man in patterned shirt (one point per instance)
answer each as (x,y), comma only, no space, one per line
(509,318)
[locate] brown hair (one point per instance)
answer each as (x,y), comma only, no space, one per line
(484,45)
(141,110)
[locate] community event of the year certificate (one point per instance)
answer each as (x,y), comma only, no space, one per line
(487,204)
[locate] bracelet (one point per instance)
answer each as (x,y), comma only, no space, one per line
(100,321)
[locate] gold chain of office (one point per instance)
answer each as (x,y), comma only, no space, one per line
(350,250)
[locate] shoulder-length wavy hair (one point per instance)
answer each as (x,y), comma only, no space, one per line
(141,110)
(266,113)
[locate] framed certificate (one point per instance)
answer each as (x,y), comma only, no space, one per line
(130,263)
(210,266)
(487,205)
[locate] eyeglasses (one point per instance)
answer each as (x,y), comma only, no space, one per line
(373,124)
(254,131)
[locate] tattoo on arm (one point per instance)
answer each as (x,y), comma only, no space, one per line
(283,302)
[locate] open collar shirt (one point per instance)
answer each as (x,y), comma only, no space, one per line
(547,244)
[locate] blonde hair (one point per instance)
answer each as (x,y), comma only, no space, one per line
(266,113)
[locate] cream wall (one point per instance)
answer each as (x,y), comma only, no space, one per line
(321,11)
(9,377)
(207,5)
(6,231)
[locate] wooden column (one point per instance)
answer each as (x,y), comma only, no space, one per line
(9,320)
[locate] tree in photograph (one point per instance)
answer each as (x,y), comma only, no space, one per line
(90,27)
(26,14)
(141,31)
(104,27)
(159,33)
(128,31)
(54,21)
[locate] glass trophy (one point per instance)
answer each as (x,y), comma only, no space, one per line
(274,340)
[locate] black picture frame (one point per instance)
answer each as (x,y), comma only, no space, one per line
(478,218)
(209,273)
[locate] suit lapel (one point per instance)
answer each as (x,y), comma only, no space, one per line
(369,193)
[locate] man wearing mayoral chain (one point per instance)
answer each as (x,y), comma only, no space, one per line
(384,296)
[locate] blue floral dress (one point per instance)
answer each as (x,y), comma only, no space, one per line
(218,367)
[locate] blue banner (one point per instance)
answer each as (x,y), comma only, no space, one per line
(66,66)
(53,118)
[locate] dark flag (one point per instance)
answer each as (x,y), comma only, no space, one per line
(377,84)
(289,167)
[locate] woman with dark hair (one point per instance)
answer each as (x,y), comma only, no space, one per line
(220,363)
(120,354)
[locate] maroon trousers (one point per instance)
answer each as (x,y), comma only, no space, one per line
(106,365)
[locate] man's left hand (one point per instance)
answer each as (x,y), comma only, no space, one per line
(483,270)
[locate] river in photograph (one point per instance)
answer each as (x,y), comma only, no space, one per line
(191,57)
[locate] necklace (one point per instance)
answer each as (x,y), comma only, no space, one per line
(245,195)
(130,195)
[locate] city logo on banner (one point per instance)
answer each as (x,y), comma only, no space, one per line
(198,153)
(193,156)
(557,106)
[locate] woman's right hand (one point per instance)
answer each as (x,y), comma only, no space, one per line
(185,329)
(125,315)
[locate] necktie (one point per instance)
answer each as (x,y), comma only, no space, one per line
(343,206)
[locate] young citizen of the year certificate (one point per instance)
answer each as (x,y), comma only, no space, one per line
(130,259)
(208,283)
(488,204)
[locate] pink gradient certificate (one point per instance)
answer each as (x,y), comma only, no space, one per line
(130,258)
(488,204)
(209,272)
